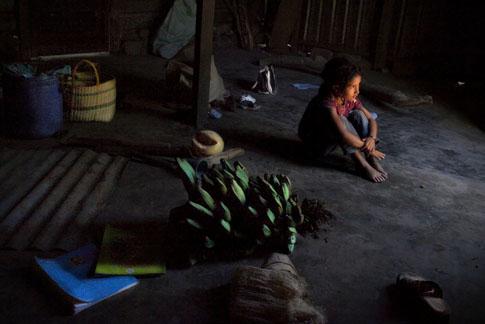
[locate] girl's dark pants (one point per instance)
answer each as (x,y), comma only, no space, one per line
(329,137)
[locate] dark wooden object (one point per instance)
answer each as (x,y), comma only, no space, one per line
(147,152)
(202,64)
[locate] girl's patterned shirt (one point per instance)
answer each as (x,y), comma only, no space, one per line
(342,110)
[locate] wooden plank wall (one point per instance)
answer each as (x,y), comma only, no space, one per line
(420,36)
(9,40)
(417,23)
(339,25)
(133,22)
(437,38)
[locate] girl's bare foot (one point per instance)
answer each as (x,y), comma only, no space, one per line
(368,171)
(373,174)
(376,165)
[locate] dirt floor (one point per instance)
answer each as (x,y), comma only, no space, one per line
(427,218)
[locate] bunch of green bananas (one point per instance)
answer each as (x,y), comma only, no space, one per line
(229,209)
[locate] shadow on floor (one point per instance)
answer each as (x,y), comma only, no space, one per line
(215,301)
(245,84)
(292,150)
(463,98)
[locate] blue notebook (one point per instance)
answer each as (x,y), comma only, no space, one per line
(69,272)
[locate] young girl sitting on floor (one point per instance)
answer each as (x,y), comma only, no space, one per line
(336,117)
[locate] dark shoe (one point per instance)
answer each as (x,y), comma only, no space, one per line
(426,295)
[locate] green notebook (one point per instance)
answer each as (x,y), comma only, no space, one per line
(130,250)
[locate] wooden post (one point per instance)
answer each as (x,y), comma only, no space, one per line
(380,56)
(202,64)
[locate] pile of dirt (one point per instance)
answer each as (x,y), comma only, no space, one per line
(316,216)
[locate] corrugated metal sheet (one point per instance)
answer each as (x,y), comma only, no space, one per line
(48,197)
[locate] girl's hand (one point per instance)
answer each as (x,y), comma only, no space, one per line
(369,145)
(377,154)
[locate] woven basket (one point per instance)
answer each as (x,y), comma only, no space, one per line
(88,99)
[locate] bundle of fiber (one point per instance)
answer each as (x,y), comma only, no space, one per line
(273,294)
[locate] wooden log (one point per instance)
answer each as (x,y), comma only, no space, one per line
(9,166)
(28,204)
(127,148)
(22,186)
(91,205)
(62,204)
(141,151)
(393,96)
(198,163)
(226,155)
(21,171)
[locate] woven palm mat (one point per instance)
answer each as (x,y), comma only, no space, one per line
(48,197)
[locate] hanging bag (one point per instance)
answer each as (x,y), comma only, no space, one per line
(90,100)
(266,82)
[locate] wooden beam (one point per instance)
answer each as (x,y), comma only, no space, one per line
(380,56)
(202,64)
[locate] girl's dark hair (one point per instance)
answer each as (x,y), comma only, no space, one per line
(337,72)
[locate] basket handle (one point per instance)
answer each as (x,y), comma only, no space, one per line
(91,64)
